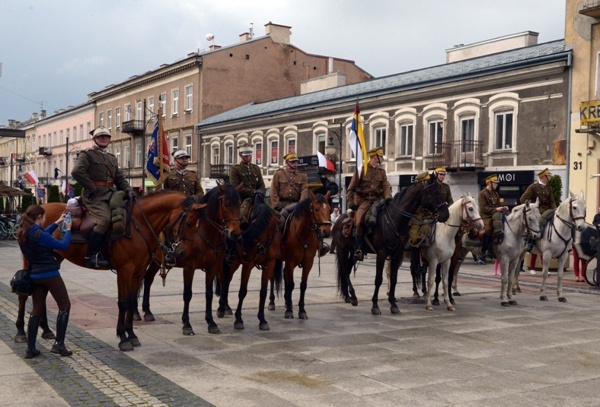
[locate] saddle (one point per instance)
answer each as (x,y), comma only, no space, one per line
(422,232)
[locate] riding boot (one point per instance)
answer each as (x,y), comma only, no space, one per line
(32,330)
(323,248)
(358,244)
(94,257)
(530,244)
(62,320)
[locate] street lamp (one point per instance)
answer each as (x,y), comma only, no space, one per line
(331,150)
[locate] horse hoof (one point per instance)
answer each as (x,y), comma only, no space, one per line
(416,295)
(436,302)
(238,325)
(289,315)
(48,335)
(562,299)
(149,317)
(395,310)
(228,311)
(220,314)
(272,307)
(188,331)
(214,329)
(302,315)
(264,326)
(428,308)
(451,308)
(348,300)
(504,303)
(135,342)
(456,294)
(136,316)
(354,303)
(22,338)
(512,302)
(517,290)
(125,346)
(543,298)
(375,311)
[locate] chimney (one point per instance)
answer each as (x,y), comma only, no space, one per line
(43,114)
(245,37)
(214,47)
(11,123)
(34,116)
(330,65)
(278,33)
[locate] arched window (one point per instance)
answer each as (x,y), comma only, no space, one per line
(503,112)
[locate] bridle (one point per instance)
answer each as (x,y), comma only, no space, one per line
(469,223)
(574,219)
(529,230)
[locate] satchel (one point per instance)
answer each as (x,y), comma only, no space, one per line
(21,283)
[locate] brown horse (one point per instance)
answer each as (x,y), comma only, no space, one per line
(200,241)
(309,221)
(258,247)
(130,254)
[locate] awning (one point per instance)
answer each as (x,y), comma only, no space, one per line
(5,190)
(149,184)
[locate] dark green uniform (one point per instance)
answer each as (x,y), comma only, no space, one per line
(250,177)
(543,192)
(288,187)
(184,181)
(98,172)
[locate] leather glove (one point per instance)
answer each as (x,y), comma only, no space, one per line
(353,207)
(91,194)
(278,208)
(131,195)
(259,195)
(388,200)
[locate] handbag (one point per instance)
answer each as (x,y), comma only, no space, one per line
(21,282)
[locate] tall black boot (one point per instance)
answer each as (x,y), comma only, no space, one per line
(94,257)
(62,320)
(32,330)
(358,244)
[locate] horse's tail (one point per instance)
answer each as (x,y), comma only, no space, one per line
(217,286)
(278,276)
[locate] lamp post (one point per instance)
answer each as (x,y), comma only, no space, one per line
(332,148)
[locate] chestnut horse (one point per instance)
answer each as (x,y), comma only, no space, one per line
(130,254)
(200,241)
(309,221)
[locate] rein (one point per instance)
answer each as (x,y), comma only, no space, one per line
(570,225)
(465,224)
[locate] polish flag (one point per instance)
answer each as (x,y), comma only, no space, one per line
(31,177)
(325,162)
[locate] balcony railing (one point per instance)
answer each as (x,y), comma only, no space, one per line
(459,154)
(133,127)
(591,8)
(220,171)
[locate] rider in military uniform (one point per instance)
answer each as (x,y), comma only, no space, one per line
(250,177)
(542,191)
(491,209)
(98,172)
(364,191)
(418,225)
(181,179)
(288,185)
(440,176)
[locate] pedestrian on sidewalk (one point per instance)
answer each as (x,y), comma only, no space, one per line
(38,245)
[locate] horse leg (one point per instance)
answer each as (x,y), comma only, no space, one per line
(267,275)
(272,295)
(387,274)
(545,265)
(303,285)
(246,270)
(188,279)
(445,286)
(224,308)
(131,308)
(124,344)
(21,336)
(380,262)
(289,287)
(394,265)
(513,269)
(438,278)
(430,282)
(208,282)
(148,280)
(414,271)
(136,312)
(559,286)
(450,280)
(505,282)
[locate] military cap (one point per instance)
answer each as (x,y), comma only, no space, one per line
(545,172)
(424,176)
(440,170)
(492,178)
(291,157)
(100,131)
(245,151)
(180,154)
(375,151)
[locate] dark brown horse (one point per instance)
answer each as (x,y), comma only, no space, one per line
(200,241)
(308,224)
(388,239)
(131,254)
(258,247)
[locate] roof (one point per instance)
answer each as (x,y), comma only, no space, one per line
(484,65)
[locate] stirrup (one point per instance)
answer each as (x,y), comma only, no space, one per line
(96,260)
(358,255)
(323,249)
(170,260)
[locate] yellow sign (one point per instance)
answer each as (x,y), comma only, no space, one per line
(589,112)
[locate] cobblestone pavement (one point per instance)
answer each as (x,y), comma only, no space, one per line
(542,353)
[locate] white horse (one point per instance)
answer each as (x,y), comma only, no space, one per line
(557,239)
(523,222)
(463,213)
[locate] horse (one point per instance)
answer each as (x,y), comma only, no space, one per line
(131,253)
(388,238)
(557,239)
(199,239)
(309,221)
(258,247)
(463,213)
(522,223)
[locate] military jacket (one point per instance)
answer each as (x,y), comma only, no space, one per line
(288,187)
(488,202)
(96,169)
(446,193)
(543,192)
(184,181)
(250,176)
(370,187)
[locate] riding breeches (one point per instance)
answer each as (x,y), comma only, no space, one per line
(56,287)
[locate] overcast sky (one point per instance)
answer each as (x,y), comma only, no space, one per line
(55,52)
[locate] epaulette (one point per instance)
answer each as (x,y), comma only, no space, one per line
(89,149)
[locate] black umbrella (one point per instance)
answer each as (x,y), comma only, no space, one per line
(586,242)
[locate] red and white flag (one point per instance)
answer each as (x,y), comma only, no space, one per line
(325,162)
(31,177)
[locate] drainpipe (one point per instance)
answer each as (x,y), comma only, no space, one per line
(569,114)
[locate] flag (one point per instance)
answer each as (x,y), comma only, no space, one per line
(153,164)
(63,187)
(31,177)
(356,139)
(325,162)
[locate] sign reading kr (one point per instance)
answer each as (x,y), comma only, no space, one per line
(589,112)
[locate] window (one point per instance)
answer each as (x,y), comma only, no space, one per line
(118,155)
(175,95)
(69,135)
(291,145)
(127,156)
(214,156)
(139,110)
(60,137)
(118,114)
(174,144)
(258,154)
(405,143)
(162,101)
(189,98)
(109,119)
(228,154)
(321,143)
(467,134)
(138,154)
(127,112)
(81,132)
(274,145)
(151,105)
(89,129)
(188,145)
(436,136)
(380,138)
(503,132)
(101,119)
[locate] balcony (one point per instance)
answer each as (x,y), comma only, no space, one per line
(458,155)
(134,127)
(591,8)
(2,161)
(45,151)
(220,171)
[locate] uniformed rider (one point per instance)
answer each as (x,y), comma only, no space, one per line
(364,190)
(440,176)
(491,209)
(181,179)
(250,177)
(99,174)
(288,185)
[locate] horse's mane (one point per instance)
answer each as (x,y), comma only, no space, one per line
(211,198)
(164,193)
(262,215)
(304,206)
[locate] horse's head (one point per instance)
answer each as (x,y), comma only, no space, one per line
(229,210)
(531,217)
(577,210)
(321,212)
(470,212)
(430,198)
